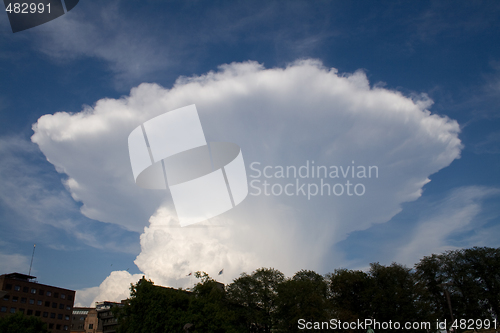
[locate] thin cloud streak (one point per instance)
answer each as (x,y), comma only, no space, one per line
(456,214)
(31,190)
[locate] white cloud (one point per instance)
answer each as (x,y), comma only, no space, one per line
(491,145)
(31,190)
(25,188)
(169,252)
(14,263)
(456,213)
(85,297)
(118,37)
(285,117)
(102,31)
(114,288)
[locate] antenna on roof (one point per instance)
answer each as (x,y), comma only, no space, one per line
(34,245)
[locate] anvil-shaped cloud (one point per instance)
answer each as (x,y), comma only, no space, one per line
(291,116)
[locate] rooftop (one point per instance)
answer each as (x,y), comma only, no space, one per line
(19,276)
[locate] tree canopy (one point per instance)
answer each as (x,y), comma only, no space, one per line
(267,301)
(19,323)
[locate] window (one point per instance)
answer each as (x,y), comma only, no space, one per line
(52,315)
(66,317)
(21,310)
(12,310)
(3,309)
(51,326)
(63,296)
(6,297)
(24,300)
(65,327)
(33,290)
(41,292)
(82,318)
(29,313)
(61,306)
(15,299)
(54,305)
(8,286)
(39,302)
(17,288)
(49,293)
(68,307)
(91,326)
(59,316)
(56,295)
(37,313)
(25,289)
(58,327)
(70,297)
(32,301)
(45,314)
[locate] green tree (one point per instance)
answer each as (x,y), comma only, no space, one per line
(396,295)
(470,276)
(429,274)
(484,264)
(302,297)
(350,294)
(209,310)
(462,284)
(242,293)
(257,294)
(153,309)
(384,293)
(19,323)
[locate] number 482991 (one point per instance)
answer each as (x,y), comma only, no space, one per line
(471,324)
(25,8)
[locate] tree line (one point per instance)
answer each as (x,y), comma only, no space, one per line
(456,284)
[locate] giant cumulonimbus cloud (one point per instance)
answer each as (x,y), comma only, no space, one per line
(291,116)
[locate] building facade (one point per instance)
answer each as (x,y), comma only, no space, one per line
(107,321)
(84,320)
(21,293)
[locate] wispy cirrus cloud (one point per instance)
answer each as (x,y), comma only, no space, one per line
(133,51)
(455,216)
(104,32)
(14,263)
(32,193)
(490,145)
(461,217)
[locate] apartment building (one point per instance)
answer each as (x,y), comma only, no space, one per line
(22,293)
(84,320)
(107,321)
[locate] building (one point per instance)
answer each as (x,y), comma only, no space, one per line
(84,320)
(21,293)
(101,318)
(107,322)
(95,320)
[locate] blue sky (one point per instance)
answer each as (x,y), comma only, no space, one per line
(437,60)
